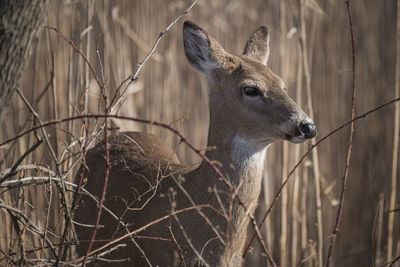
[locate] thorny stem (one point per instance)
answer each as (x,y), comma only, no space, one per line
(73,45)
(147,57)
(75,199)
(395,151)
(351,122)
(103,196)
(107,174)
(349,145)
(391,264)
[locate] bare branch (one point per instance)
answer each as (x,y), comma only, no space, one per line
(350,143)
(142,229)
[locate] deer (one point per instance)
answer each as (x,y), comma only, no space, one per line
(249,109)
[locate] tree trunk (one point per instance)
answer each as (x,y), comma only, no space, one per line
(20,23)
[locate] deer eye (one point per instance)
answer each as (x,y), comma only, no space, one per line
(251,91)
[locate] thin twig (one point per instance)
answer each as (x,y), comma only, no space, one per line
(103,195)
(73,45)
(277,195)
(88,39)
(109,251)
(283,237)
(378,230)
(395,152)
(103,76)
(315,159)
(19,161)
(349,145)
(48,262)
(208,221)
(142,229)
(200,259)
(15,219)
(394,261)
(61,187)
(152,51)
(176,242)
(35,104)
(141,44)
(45,180)
(8,257)
(25,168)
(23,217)
(296,213)
(75,198)
(46,223)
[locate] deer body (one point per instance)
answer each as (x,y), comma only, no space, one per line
(249,109)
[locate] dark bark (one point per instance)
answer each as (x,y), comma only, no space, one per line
(20,24)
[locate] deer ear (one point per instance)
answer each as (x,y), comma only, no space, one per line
(257,46)
(203,52)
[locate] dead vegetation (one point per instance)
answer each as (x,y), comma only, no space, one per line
(315,60)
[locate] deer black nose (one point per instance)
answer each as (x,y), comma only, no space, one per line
(308,129)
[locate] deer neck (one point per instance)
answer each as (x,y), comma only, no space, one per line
(242,163)
(241,160)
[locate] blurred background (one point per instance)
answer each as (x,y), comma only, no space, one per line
(116,35)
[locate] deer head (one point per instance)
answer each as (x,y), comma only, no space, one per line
(246,97)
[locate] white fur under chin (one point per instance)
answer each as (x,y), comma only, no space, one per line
(248,155)
(248,158)
(297,139)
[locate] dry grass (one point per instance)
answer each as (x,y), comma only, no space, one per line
(168,90)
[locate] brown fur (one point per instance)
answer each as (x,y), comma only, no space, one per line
(241,127)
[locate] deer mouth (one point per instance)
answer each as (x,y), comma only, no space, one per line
(296,139)
(303,131)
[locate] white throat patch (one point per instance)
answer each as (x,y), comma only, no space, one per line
(248,156)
